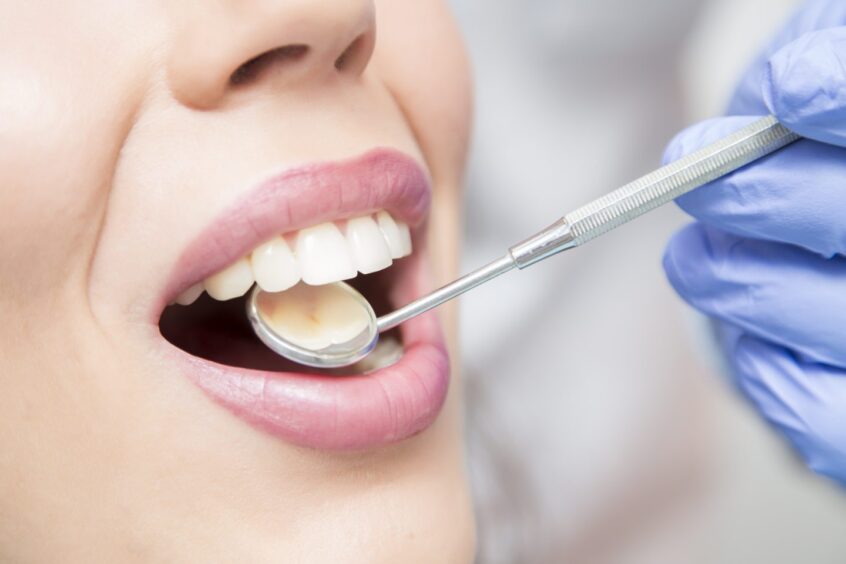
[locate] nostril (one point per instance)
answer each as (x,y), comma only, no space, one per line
(252,69)
(354,54)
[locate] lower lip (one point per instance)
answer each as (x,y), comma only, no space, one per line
(339,413)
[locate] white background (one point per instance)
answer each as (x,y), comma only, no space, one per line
(599,430)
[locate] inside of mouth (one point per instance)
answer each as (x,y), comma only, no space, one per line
(220,331)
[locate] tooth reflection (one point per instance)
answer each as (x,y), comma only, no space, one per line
(315,317)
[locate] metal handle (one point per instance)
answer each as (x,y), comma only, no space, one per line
(754,141)
(446,293)
(612,210)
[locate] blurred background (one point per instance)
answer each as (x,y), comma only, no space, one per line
(600,428)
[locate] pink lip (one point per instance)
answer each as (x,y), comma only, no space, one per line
(381,179)
(325,412)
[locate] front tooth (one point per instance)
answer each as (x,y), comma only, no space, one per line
(398,239)
(323,255)
(274,266)
(231,282)
(369,249)
(190,295)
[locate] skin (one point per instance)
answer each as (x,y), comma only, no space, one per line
(121,138)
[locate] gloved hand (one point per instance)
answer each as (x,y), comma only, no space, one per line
(766,258)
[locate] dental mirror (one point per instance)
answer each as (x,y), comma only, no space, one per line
(332,326)
(320,326)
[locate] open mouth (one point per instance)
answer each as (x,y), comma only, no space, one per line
(361,221)
(208,319)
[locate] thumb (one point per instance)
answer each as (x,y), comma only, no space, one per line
(810,16)
(805,86)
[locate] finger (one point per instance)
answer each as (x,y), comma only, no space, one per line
(805,401)
(796,196)
(805,86)
(811,16)
(777,292)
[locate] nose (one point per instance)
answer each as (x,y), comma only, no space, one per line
(226,45)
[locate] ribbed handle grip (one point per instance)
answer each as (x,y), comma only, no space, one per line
(668,183)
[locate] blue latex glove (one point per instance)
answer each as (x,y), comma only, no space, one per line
(766,257)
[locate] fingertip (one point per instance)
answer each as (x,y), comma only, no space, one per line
(701,204)
(781,84)
(746,99)
(684,258)
(804,86)
(701,265)
(811,16)
(670,260)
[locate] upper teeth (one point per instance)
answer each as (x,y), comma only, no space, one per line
(317,255)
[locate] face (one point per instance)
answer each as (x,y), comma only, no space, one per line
(153,149)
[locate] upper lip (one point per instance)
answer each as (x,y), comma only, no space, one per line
(352,412)
(297,198)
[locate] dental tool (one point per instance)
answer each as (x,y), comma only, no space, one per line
(608,212)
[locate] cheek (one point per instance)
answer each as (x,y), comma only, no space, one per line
(64,107)
(421,56)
